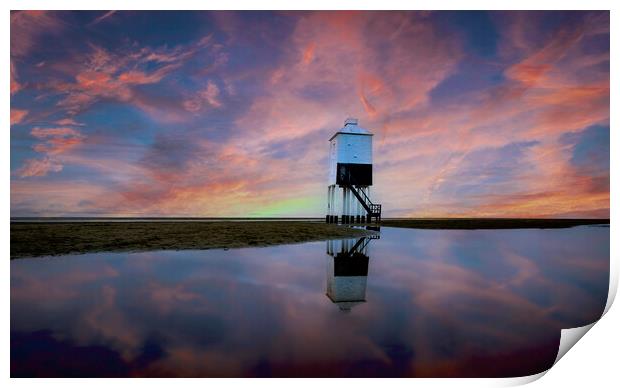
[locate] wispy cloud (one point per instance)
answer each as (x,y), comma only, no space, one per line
(28,26)
(208,96)
(101,18)
(15,85)
(53,141)
(39,167)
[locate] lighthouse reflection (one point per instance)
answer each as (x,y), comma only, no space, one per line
(347,271)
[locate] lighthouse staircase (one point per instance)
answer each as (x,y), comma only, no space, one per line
(373,209)
(362,242)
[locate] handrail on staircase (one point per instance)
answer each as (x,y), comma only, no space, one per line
(373,209)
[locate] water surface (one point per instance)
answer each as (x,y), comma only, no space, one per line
(412,303)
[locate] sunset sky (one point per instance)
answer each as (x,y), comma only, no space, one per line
(489,114)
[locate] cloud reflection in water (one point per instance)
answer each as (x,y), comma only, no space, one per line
(437,303)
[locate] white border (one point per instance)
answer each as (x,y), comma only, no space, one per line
(593,363)
(315,4)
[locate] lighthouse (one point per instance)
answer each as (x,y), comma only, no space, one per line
(350,176)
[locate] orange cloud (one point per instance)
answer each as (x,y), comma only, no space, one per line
(370,110)
(68,121)
(55,141)
(57,145)
(17,115)
(347,63)
(112,76)
(39,167)
(528,74)
(308,55)
(15,85)
(93,79)
(42,133)
(135,77)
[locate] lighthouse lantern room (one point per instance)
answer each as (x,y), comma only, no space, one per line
(350,176)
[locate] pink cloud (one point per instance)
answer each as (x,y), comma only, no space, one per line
(39,167)
(15,85)
(55,141)
(308,54)
(113,76)
(208,96)
(135,77)
(17,115)
(28,26)
(68,121)
(42,133)
(346,61)
(57,145)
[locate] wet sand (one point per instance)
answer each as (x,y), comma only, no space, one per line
(41,237)
(31,239)
(490,223)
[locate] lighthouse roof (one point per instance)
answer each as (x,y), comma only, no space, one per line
(351,128)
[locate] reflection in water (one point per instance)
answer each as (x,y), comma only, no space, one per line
(347,270)
(440,303)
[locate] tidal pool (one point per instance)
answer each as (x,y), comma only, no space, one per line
(431,303)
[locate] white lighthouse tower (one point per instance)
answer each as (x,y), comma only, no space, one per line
(350,176)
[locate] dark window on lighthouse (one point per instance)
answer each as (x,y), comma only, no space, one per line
(354,174)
